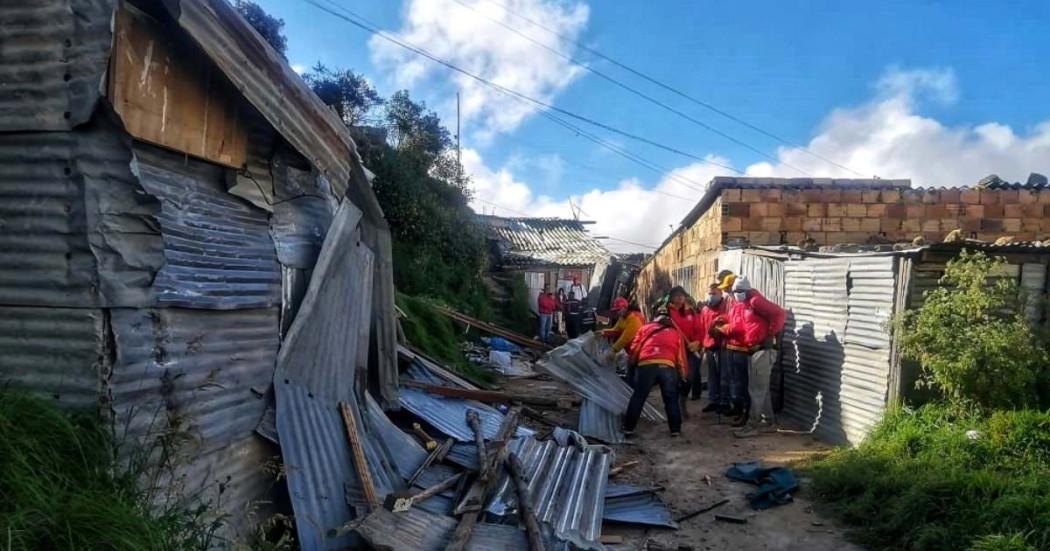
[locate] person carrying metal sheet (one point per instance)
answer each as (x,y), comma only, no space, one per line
(658,353)
(629,321)
(750,331)
(714,307)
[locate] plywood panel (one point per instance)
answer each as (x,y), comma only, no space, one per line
(169,94)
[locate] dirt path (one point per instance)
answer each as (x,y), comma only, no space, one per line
(709,448)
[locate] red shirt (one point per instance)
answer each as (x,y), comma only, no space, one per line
(547,303)
(706,320)
(685,319)
(657,344)
(752,321)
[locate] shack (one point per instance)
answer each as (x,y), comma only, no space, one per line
(182,220)
(839,366)
(550,252)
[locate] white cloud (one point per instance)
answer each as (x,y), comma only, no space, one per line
(630,212)
(469,40)
(299,68)
(888,137)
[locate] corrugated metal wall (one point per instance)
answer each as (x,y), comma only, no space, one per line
(836,354)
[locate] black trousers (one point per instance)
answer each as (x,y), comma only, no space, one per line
(645,377)
(695,382)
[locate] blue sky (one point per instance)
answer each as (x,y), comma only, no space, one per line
(940,92)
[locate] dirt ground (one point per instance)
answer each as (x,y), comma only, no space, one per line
(679,465)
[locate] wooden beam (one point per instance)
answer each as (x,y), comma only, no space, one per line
(511,336)
(358,454)
(525,511)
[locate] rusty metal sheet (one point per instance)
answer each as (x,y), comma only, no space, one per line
(53,57)
(217,247)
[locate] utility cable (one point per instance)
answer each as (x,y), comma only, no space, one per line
(673,89)
(366,26)
(633,90)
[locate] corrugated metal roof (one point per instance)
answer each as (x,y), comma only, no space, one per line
(636,505)
(302,212)
(55,352)
(572,364)
(449,415)
(599,423)
(836,343)
(52,63)
(218,248)
(566,485)
(556,241)
(420,530)
(77,228)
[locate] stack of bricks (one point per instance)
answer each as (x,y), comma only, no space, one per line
(831,216)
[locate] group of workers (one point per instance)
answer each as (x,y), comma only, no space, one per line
(733,332)
(562,312)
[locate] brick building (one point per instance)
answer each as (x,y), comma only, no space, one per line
(740,212)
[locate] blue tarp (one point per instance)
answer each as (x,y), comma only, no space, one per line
(775,484)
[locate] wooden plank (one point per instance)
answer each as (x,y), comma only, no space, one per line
(511,336)
(525,510)
(358,453)
(169,94)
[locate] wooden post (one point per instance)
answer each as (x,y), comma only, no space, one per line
(358,454)
(472,505)
(474,422)
(436,455)
(528,516)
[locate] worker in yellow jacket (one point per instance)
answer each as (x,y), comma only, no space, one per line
(627,326)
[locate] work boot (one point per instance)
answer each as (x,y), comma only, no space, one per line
(739,421)
(710,407)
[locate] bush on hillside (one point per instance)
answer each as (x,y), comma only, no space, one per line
(972,338)
(944,477)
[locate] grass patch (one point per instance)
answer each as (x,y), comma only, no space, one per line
(437,336)
(923,480)
(61,489)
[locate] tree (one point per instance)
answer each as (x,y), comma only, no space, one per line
(349,93)
(414,129)
(973,340)
(268,26)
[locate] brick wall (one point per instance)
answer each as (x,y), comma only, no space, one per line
(833,216)
(691,254)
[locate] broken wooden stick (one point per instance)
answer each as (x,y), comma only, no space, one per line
(358,454)
(525,511)
(491,396)
(473,503)
(428,442)
(731,518)
(400,502)
(474,422)
(617,470)
(436,455)
(711,507)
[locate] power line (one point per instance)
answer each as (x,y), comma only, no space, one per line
(673,89)
(365,25)
(631,89)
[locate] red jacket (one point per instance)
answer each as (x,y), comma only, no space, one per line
(657,344)
(686,322)
(706,319)
(752,321)
(547,303)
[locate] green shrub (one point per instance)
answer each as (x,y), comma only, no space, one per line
(972,339)
(437,336)
(60,488)
(944,477)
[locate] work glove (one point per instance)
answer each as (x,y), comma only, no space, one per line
(715,331)
(610,357)
(694,346)
(768,343)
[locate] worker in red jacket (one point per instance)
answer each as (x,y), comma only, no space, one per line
(715,306)
(546,305)
(686,319)
(658,354)
(750,331)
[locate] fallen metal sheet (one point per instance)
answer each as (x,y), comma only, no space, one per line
(78,230)
(218,249)
(53,61)
(599,423)
(56,353)
(566,484)
(425,370)
(449,415)
(636,505)
(405,451)
(420,530)
(572,364)
(464,455)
